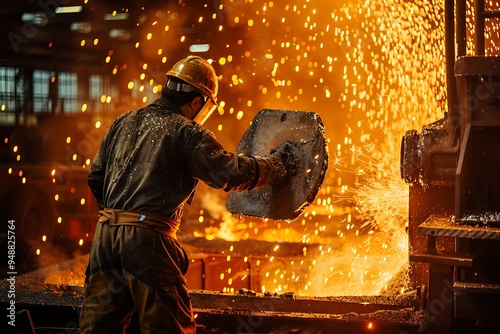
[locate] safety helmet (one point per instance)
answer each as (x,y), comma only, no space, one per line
(197,73)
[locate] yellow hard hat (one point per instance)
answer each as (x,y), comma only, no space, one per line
(197,72)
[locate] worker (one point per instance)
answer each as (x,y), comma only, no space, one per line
(145,171)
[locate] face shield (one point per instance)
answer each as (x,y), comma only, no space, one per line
(208,106)
(205,112)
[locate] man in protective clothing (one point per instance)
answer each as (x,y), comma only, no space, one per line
(146,169)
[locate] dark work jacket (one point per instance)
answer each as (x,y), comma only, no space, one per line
(151,159)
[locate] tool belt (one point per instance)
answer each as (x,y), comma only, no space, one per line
(152,221)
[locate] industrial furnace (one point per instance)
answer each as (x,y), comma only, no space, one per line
(452,168)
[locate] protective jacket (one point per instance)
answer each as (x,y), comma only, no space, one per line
(151,159)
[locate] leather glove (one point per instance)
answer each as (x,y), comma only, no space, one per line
(285,153)
(272,170)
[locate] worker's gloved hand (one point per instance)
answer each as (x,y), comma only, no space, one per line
(278,160)
(272,171)
(275,168)
(285,153)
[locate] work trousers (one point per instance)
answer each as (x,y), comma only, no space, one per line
(135,268)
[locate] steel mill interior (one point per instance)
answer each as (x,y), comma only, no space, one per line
(396,102)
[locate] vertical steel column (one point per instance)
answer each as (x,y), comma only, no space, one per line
(479,26)
(451,87)
(461,34)
(26,108)
(440,306)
